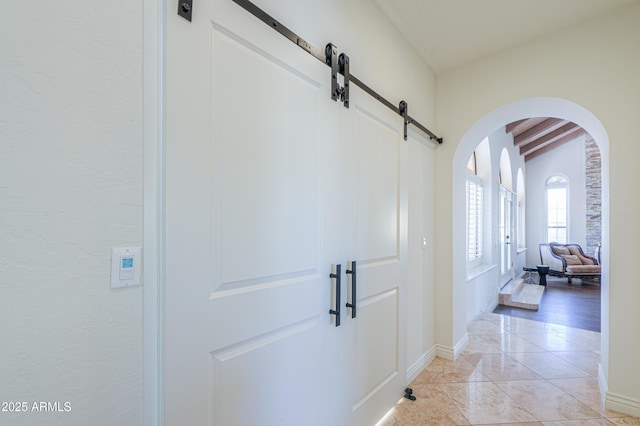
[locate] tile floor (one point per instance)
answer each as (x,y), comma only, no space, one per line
(514,371)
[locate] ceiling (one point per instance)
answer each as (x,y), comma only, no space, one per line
(536,136)
(449,33)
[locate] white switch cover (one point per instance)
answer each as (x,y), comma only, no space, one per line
(126,267)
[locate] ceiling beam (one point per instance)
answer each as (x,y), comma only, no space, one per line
(536,131)
(512,126)
(548,138)
(568,138)
(520,126)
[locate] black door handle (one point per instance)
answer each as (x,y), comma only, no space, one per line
(336,312)
(352,272)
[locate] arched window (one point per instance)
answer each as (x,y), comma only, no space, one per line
(557,204)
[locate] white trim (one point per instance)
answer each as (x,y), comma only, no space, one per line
(616,402)
(460,346)
(422,362)
(622,404)
(602,382)
(447,352)
(493,304)
(152,79)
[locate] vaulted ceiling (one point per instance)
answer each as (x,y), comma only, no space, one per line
(449,33)
(539,135)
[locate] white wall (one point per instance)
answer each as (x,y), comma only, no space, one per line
(420,312)
(70,189)
(587,73)
(481,291)
(569,160)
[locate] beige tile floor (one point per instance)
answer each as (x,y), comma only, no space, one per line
(513,372)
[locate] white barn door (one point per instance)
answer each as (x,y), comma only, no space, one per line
(268,183)
(377,240)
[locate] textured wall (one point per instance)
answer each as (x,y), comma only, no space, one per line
(70,189)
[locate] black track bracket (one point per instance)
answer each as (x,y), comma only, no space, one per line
(338,65)
(343,65)
(404,112)
(185,9)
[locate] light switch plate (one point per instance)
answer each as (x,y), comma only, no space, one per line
(126,267)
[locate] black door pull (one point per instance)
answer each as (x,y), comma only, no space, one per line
(352,272)
(336,312)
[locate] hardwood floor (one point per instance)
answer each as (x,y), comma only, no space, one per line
(576,305)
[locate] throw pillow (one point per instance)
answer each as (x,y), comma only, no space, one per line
(572,259)
(560,250)
(574,250)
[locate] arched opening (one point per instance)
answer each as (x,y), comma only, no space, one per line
(518,110)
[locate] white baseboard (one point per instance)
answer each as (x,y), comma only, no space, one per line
(622,404)
(416,368)
(447,352)
(602,382)
(614,401)
(460,346)
(492,306)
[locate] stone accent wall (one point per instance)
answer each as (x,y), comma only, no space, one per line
(594,194)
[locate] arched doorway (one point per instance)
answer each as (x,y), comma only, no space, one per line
(517,110)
